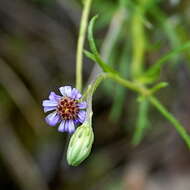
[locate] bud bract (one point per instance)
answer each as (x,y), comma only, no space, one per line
(80,144)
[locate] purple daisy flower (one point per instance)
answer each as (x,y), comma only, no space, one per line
(66,109)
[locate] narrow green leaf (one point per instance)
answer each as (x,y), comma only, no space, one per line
(90,55)
(105,67)
(159,86)
(90,35)
(142,122)
(155,69)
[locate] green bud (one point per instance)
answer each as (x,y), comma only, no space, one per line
(80,145)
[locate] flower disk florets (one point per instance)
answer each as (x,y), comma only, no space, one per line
(68,110)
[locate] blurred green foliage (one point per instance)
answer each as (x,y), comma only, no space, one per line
(38,42)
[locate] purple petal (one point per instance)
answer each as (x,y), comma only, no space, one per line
(62,127)
(66,91)
(50,103)
(82,105)
(49,108)
(66,125)
(52,119)
(75,94)
(53,96)
(78,96)
(82,116)
(69,126)
(76,122)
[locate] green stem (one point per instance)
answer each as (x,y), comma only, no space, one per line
(137,66)
(143,91)
(126,83)
(94,84)
(129,84)
(133,85)
(171,119)
(80,44)
(87,96)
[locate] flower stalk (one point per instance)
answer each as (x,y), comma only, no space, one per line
(80,44)
(144,92)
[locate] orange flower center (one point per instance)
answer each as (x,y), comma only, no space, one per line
(68,108)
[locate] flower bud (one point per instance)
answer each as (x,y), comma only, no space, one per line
(80,144)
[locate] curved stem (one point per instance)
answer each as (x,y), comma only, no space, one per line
(94,84)
(89,93)
(80,44)
(129,84)
(144,92)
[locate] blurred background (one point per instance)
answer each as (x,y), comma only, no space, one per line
(135,148)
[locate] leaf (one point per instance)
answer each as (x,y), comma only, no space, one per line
(152,74)
(90,35)
(142,122)
(90,55)
(95,56)
(155,69)
(158,87)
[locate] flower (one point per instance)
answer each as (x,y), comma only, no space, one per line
(67,109)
